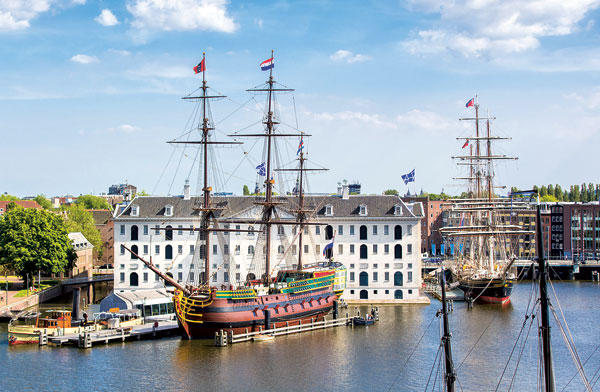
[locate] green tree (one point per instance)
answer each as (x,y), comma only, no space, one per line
(566,195)
(390,192)
(7,197)
(584,193)
(43,201)
(591,193)
(142,193)
(574,195)
(91,202)
(32,240)
(548,198)
(558,192)
(246,191)
(543,191)
(78,219)
(551,190)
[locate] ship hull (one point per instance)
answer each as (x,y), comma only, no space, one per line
(202,320)
(496,291)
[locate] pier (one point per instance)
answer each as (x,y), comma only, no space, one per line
(227,337)
(86,338)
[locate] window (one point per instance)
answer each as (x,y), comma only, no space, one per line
(122,266)
(363,210)
(250,249)
(363,232)
(409,249)
(122,249)
(225,249)
(280,249)
(375,266)
(340,230)
(386,230)
(134,249)
(156,277)
(122,277)
(168,233)
(318,249)
(398,251)
(328,210)
(133,279)
(351,249)
(409,266)
(351,229)
(180,249)
(386,249)
(305,248)
(169,252)
(122,229)
(238,276)
(374,249)
(386,276)
(191,276)
(145,277)
(226,227)
(237,227)
(340,249)
(386,265)
(328,232)
(214,277)
(363,279)
(134,233)
(363,251)
(225,276)
(238,249)
(251,233)
(156,249)
(398,232)
(145,249)
(168,210)
(397,210)
(352,265)
(374,229)
(351,276)
(409,276)
(408,230)
(156,230)
(191,249)
(398,281)
(179,230)
(215,249)
(145,229)
(375,276)
(317,230)
(306,230)
(179,277)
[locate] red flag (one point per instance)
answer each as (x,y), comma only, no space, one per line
(471,102)
(200,67)
(466,144)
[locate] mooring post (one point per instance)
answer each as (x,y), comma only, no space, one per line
(267,319)
(335,310)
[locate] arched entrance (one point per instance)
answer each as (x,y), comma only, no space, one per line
(363,232)
(134,233)
(398,294)
(398,251)
(169,252)
(364,294)
(134,249)
(169,233)
(398,279)
(363,279)
(398,232)
(328,232)
(133,279)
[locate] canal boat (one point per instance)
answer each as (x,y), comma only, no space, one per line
(483,236)
(271,293)
(26,329)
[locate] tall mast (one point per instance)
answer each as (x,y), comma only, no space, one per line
(269,180)
(544,301)
(477,150)
(489,163)
(450,375)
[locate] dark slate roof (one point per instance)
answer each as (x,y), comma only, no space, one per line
(377,206)
(101,217)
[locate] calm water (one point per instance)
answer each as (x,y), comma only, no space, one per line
(371,358)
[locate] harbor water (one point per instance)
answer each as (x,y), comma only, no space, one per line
(396,354)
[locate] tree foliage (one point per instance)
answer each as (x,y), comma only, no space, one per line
(43,201)
(548,198)
(32,240)
(142,193)
(91,202)
(391,192)
(7,197)
(78,219)
(246,191)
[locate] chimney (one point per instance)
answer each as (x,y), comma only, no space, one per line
(186,190)
(345,192)
(339,189)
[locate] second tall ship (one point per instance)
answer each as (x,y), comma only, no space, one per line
(282,295)
(482,232)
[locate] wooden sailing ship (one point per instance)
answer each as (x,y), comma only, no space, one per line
(482,234)
(292,295)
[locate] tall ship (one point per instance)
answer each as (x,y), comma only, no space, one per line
(271,292)
(483,230)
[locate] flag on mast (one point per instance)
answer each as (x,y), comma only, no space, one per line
(410,177)
(267,64)
(261,169)
(466,144)
(201,67)
(471,102)
(300,146)
(328,246)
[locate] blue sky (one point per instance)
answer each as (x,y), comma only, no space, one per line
(91,89)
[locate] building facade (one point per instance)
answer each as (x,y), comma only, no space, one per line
(575,230)
(377,238)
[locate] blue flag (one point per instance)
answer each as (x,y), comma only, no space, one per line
(261,169)
(410,177)
(328,246)
(300,146)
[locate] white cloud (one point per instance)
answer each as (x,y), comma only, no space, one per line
(84,59)
(347,115)
(120,52)
(128,128)
(107,18)
(16,14)
(181,15)
(493,28)
(349,57)
(425,121)
(259,23)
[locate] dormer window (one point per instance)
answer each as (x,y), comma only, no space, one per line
(135,210)
(329,210)
(363,210)
(169,210)
(397,210)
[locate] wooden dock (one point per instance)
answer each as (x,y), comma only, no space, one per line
(226,337)
(87,339)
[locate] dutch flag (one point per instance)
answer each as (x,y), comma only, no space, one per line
(267,64)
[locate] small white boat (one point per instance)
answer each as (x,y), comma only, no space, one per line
(263,338)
